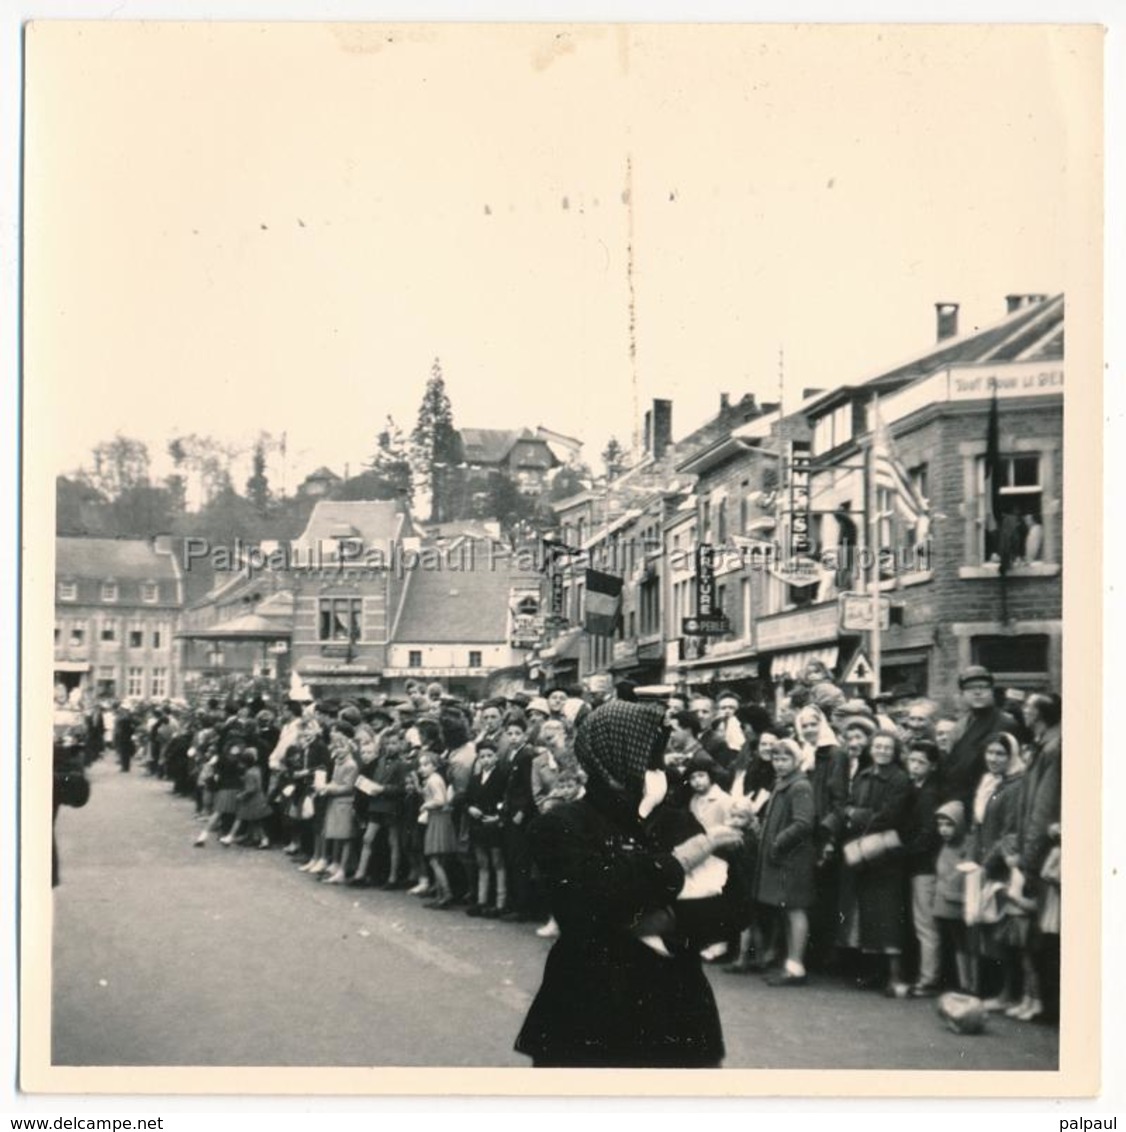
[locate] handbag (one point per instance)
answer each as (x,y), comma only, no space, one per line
(308,810)
(870,848)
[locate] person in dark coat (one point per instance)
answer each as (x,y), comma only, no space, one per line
(619,988)
(879,803)
(961,770)
(484,806)
(70,787)
(921,844)
(1038,806)
(123,728)
(784,877)
(517,815)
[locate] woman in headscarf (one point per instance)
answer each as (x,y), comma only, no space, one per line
(620,988)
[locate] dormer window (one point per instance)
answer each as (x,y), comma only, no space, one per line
(68,591)
(150,591)
(109,591)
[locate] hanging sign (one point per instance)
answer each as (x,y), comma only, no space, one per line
(856,613)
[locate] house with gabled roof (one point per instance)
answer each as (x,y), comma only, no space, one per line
(117,607)
(522,455)
(470,613)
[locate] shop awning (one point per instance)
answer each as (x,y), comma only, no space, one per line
(249,627)
(792,664)
(71,666)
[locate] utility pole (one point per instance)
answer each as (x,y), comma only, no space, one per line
(636,444)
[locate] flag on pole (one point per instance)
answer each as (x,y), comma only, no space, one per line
(996,522)
(553,550)
(892,475)
(603,603)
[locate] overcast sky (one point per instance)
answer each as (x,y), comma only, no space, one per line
(235,228)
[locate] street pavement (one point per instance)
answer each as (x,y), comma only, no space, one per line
(168,955)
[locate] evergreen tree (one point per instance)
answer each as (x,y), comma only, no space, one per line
(614,458)
(391,464)
(258,486)
(437,446)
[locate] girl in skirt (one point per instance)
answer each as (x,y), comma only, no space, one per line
(440,841)
(339,827)
(253,809)
(227,785)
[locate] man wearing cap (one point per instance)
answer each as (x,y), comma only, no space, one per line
(961,769)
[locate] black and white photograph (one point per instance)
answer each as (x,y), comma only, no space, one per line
(556,537)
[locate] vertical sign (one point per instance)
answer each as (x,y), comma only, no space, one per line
(557,593)
(800,542)
(705,581)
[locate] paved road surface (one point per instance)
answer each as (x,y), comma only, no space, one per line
(169,955)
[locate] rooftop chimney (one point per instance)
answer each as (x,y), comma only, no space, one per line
(660,431)
(724,402)
(947,316)
(1015,302)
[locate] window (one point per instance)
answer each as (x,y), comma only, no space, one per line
(107,682)
(1017,662)
(745,597)
(721,599)
(632,624)
(136,638)
(157,637)
(721,522)
(78,634)
(134,681)
(341,618)
(149,591)
(414,659)
(706,521)
(832,429)
(1021,531)
(475,660)
(109,633)
(58,633)
(109,591)
(68,591)
(159,682)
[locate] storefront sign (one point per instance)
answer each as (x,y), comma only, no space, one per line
(705,581)
(971,384)
(557,594)
(800,542)
(715,626)
(856,613)
(798,571)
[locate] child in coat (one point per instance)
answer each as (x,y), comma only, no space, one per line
(950,889)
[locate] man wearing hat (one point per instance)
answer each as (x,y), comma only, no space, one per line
(964,765)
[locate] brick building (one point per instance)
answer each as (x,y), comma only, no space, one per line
(950,601)
(347,575)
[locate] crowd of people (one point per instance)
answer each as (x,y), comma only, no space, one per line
(885,842)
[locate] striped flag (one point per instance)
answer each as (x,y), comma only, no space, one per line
(603,603)
(891,474)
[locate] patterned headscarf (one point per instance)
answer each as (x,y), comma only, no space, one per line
(616,741)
